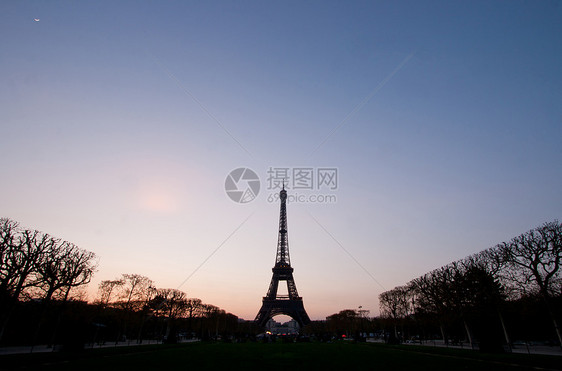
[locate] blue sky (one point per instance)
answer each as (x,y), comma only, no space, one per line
(121,120)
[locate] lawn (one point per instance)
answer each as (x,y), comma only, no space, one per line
(279,356)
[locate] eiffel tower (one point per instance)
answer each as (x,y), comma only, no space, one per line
(291,304)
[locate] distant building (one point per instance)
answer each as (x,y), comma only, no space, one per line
(291,327)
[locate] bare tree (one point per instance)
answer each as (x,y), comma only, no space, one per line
(493,262)
(194,306)
(134,296)
(534,259)
(433,296)
(78,294)
(476,295)
(396,304)
(343,322)
(9,244)
(171,303)
(63,267)
(174,302)
(21,252)
(475,288)
(106,289)
(135,291)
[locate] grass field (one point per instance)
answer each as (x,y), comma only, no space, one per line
(279,356)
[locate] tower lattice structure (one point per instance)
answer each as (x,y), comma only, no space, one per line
(274,304)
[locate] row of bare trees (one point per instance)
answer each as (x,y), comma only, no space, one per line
(37,266)
(134,308)
(474,291)
(41,276)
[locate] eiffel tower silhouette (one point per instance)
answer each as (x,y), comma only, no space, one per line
(274,304)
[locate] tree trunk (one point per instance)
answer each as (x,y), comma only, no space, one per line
(6,317)
(59,318)
(468,334)
(553,318)
(139,336)
(556,325)
(13,300)
(557,329)
(44,307)
(504,328)
(445,340)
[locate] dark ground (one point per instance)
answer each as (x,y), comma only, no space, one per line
(278,356)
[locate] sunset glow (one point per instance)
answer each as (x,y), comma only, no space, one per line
(121,121)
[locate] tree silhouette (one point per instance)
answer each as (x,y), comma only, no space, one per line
(106,289)
(396,304)
(63,267)
(534,260)
(36,265)
(135,291)
(474,290)
(344,322)
(172,304)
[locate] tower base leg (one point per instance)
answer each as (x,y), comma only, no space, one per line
(292,308)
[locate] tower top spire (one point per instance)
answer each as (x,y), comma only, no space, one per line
(283,197)
(282,257)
